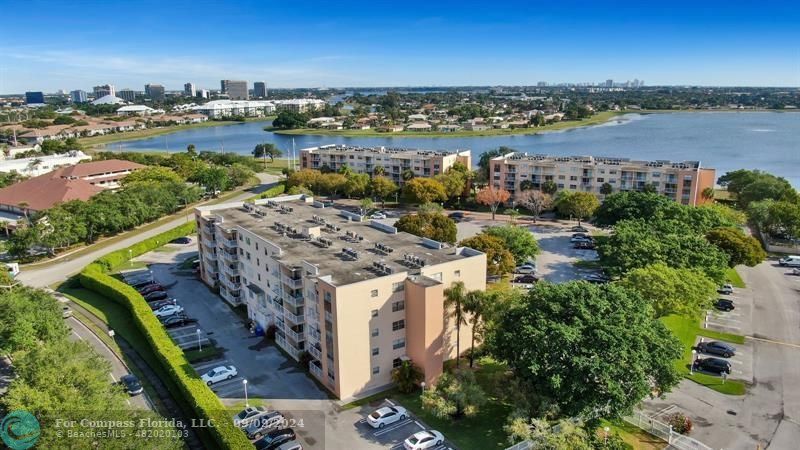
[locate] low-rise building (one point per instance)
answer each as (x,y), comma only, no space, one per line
(39,165)
(681,181)
(357,297)
(419,126)
(227,108)
(423,163)
(135,110)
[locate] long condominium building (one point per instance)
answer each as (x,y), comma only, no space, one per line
(359,297)
(683,181)
(395,161)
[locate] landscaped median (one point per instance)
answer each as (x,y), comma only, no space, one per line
(207,407)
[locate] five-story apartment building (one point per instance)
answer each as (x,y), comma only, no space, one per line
(683,181)
(359,297)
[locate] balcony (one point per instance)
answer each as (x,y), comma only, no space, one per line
(313,334)
(292,300)
(231,269)
(211,269)
(294,335)
(230,257)
(315,352)
(284,344)
(312,313)
(292,318)
(313,367)
(211,256)
(232,297)
(328,316)
(229,243)
(230,284)
(292,282)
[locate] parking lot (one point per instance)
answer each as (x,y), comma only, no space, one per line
(393,435)
(741,362)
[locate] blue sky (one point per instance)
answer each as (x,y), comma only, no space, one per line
(50,45)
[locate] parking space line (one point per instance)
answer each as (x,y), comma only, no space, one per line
(206,365)
(385,430)
(224,383)
(419,425)
(390,402)
(722,325)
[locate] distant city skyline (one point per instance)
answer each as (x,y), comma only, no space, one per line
(48,45)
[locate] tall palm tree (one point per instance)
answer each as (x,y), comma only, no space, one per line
(407,175)
(378,171)
(475,304)
(454,299)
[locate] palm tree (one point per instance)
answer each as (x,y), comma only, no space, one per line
(406,376)
(23,205)
(407,175)
(707,193)
(378,171)
(33,165)
(475,304)
(454,298)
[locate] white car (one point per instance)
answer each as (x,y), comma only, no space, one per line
(423,439)
(377,215)
(525,269)
(386,416)
(168,310)
(220,373)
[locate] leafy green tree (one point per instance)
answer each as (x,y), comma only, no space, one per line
(580,205)
(214,179)
(549,187)
(424,190)
(707,193)
(755,185)
(606,189)
(727,214)
(267,150)
(685,292)
(453,182)
(499,260)
(407,377)
(288,120)
(239,175)
(332,183)
(632,205)
(454,299)
(382,187)
(740,248)
(618,353)
(483,160)
(309,178)
(476,305)
(29,318)
(378,171)
(407,175)
(366,205)
(434,226)
(357,185)
(191,149)
(155,173)
(518,240)
(455,395)
(345,170)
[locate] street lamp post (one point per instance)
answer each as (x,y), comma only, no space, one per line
(244,382)
(423,388)
(606,429)
(694,357)
(199,342)
(130,257)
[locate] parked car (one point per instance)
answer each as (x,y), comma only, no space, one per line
(580,237)
(525,269)
(377,215)
(131,384)
(181,240)
(790,261)
(596,278)
(156,295)
(713,365)
(219,373)
(177,320)
(140,282)
(527,279)
(66,312)
(263,424)
(457,215)
(158,304)
(584,245)
(248,415)
(724,304)
(795,272)
(579,229)
(151,288)
(327,203)
(386,416)
(275,439)
(726,289)
(291,445)
(423,439)
(717,348)
(168,310)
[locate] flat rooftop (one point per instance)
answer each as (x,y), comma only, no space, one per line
(344,269)
(394,151)
(521,156)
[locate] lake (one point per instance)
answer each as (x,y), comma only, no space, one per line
(726,141)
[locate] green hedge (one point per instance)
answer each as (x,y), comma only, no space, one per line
(274,191)
(206,404)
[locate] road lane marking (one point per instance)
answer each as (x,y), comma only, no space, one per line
(76,334)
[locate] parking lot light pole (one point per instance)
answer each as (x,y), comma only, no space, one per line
(199,343)
(246,404)
(694,358)
(423,388)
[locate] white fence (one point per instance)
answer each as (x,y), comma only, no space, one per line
(526,445)
(664,431)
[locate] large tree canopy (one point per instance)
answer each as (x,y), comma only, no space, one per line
(740,248)
(499,260)
(518,240)
(431,225)
(672,291)
(588,350)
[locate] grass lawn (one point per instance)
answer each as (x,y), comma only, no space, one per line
(637,438)
(686,330)
(734,278)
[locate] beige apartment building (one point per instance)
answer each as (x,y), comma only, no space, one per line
(424,163)
(681,181)
(358,296)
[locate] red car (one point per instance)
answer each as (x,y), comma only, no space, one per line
(151,288)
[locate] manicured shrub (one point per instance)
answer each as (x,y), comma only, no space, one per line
(680,423)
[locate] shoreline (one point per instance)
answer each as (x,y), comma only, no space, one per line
(98,142)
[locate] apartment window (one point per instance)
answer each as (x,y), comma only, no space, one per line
(376,351)
(375,332)
(398,325)
(398,306)
(374,293)
(258,262)
(259,276)
(247,240)
(240,237)
(248,256)
(327,296)
(399,286)
(560,185)
(656,174)
(256,246)
(572,186)
(374,313)
(612,172)
(399,343)
(376,370)
(562,177)
(573,178)
(397,362)
(457,274)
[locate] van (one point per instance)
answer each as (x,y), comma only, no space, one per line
(790,261)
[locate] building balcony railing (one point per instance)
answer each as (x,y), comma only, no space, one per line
(293,283)
(211,256)
(294,335)
(211,268)
(315,369)
(233,297)
(230,257)
(291,317)
(313,334)
(315,352)
(229,243)
(291,350)
(328,316)
(231,269)
(292,300)
(312,312)
(232,285)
